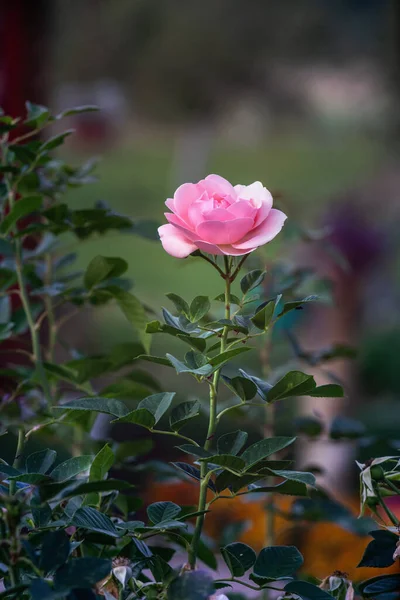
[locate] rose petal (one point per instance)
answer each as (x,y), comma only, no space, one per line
(182,225)
(196,210)
(215,184)
(169,203)
(255,192)
(209,248)
(184,196)
(174,242)
(242,208)
(263,212)
(218,214)
(224,232)
(264,233)
(229,250)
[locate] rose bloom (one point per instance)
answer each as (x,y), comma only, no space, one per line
(219,218)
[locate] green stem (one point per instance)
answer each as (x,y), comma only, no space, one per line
(212,424)
(18,455)
(36,349)
(392,486)
(387,510)
(236,406)
(50,311)
(175,434)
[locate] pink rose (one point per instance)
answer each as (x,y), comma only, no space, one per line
(219,218)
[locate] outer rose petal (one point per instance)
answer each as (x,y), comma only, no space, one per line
(184,196)
(215,184)
(174,242)
(263,233)
(256,192)
(179,224)
(230,250)
(224,232)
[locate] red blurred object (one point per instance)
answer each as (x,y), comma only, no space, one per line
(23,27)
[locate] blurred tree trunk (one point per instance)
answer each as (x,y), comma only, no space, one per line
(192,149)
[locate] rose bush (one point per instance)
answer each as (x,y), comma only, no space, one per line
(219,218)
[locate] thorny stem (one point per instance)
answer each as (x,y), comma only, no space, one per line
(50,311)
(212,423)
(18,455)
(387,510)
(36,349)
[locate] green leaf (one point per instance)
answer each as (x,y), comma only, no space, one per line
(192,472)
(109,406)
(299,476)
(379,552)
(262,387)
(227,461)
(239,558)
(71,467)
(139,416)
(193,450)
(264,448)
(231,443)
(91,519)
(41,512)
(181,367)
(330,390)
(163,511)
(196,343)
(242,387)
(294,383)
(191,585)
(306,591)
(102,268)
(382,584)
(40,462)
(31,478)
(39,589)
(157,404)
(224,357)
(277,562)
(108,485)
(55,141)
(149,410)
(22,208)
(183,413)
(102,463)
(158,360)
(221,298)
(180,304)
(82,573)
(199,308)
(55,550)
(135,313)
(77,110)
(263,317)
(297,304)
(251,280)
(287,488)
(37,115)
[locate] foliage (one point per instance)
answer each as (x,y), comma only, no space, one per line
(69,528)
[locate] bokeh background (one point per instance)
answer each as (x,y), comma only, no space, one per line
(302,95)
